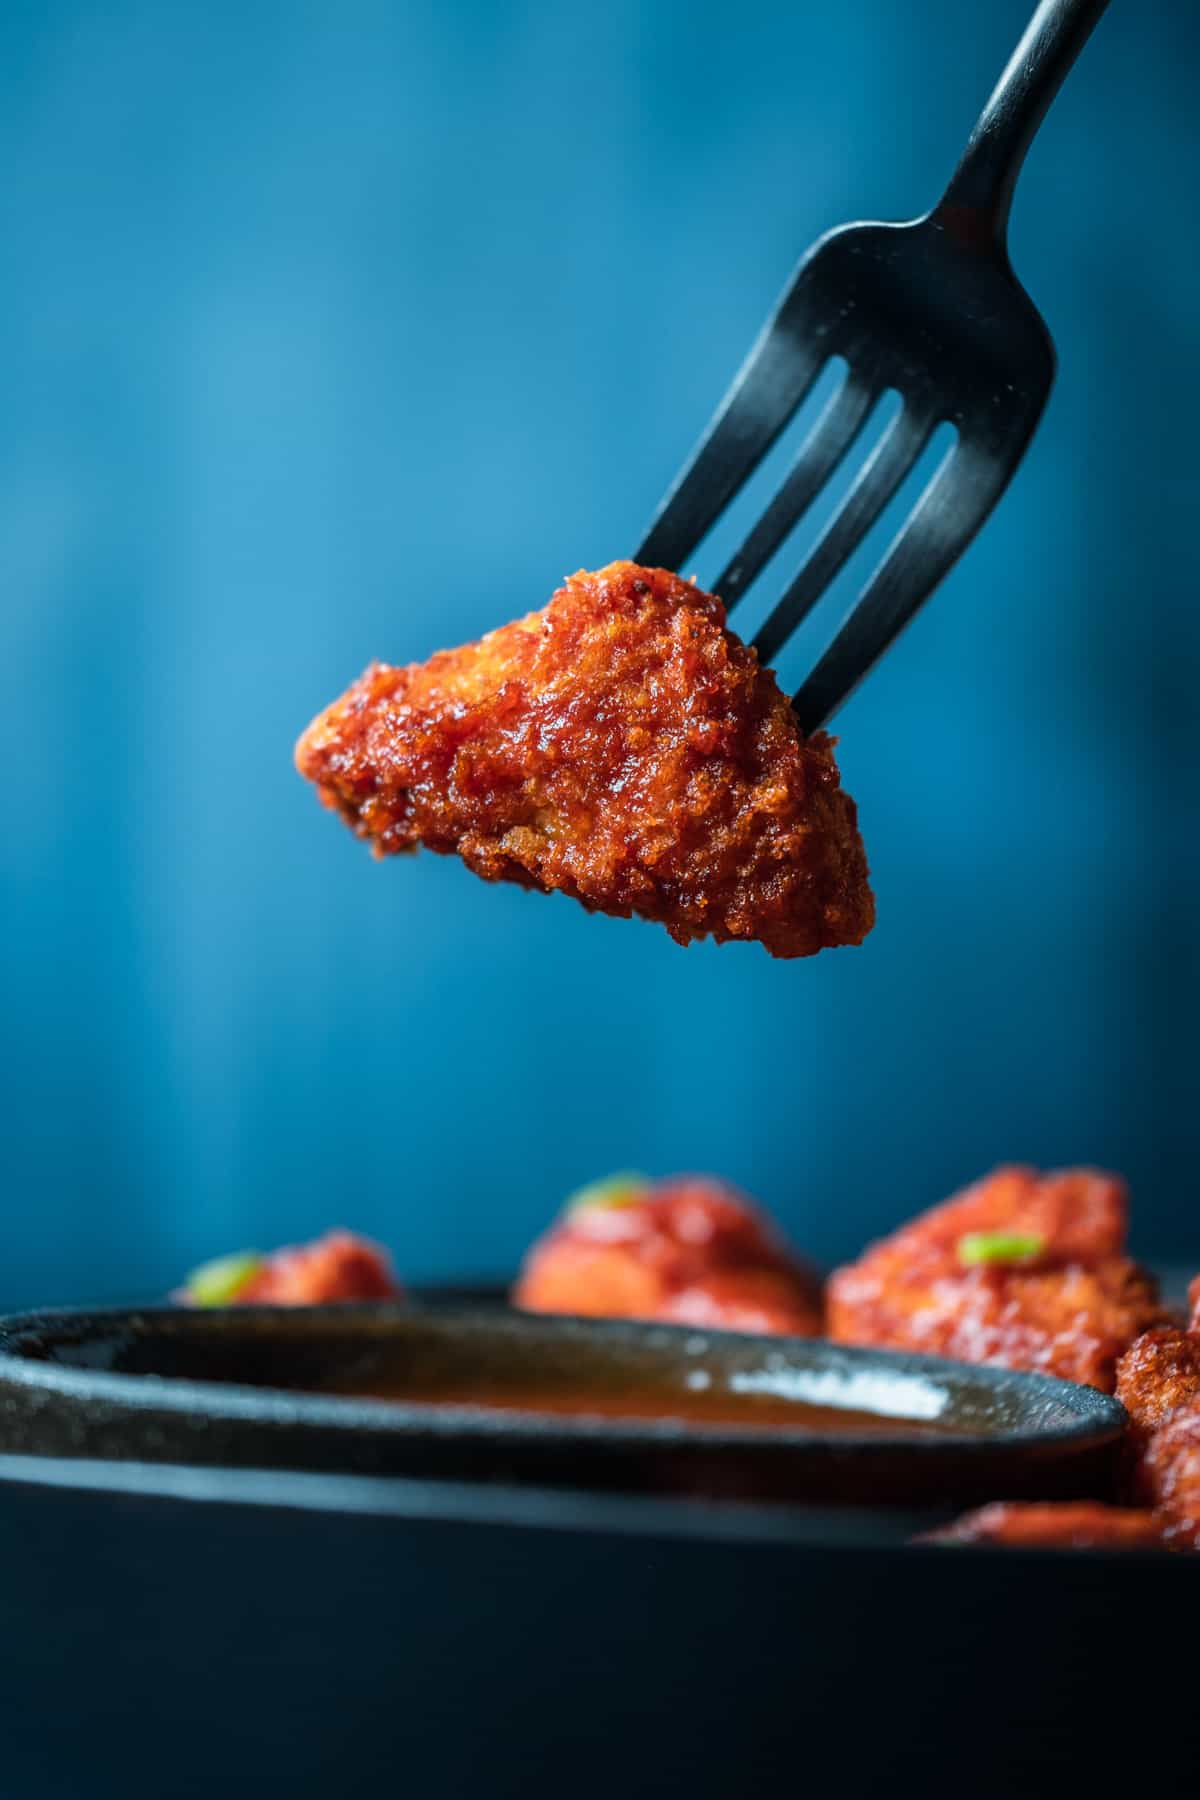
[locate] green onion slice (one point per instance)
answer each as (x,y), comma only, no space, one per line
(219,1282)
(623,1189)
(998,1247)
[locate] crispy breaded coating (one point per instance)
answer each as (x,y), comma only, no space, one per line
(767,1300)
(341,1265)
(1159,1373)
(1050,1290)
(1079,1214)
(1158,1382)
(1194,1302)
(1171,1474)
(620,746)
(1056,1525)
(688,1250)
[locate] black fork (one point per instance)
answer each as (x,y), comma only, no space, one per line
(930,309)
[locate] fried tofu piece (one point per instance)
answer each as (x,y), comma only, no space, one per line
(339,1266)
(1022,1270)
(766,1300)
(1158,1380)
(1170,1474)
(1159,1373)
(1057,1525)
(688,1250)
(1158,1383)
(620,746)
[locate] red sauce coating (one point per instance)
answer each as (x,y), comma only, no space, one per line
(1158,1383)
(339,1266)
(620,746)
(1159,1373)
(1170,1474)
(1070,1310)
(1056,1525)
(688,1250)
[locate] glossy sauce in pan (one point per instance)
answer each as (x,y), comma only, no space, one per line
(717,1407)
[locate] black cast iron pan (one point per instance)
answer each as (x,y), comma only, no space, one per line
(294,1389)
(174,1631)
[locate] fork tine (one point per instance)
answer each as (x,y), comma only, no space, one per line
(960,494)
(881,475)
(770,385)
(819,455)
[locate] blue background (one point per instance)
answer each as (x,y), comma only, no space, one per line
(340,330)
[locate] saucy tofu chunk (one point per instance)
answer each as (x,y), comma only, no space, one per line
(1056,1525)
(688,1250)
(620,746)
(1158,1382)
(1024,1270)
(338,1266)
(1170,1474)
(1159,1373)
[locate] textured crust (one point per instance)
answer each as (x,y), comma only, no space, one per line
(1171,1474)
(619,746)
(1158,1383)
(1071,1311)
(1056,1525)
(688,1250)
(1159,1373)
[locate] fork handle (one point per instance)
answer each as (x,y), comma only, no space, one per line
(981,188)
